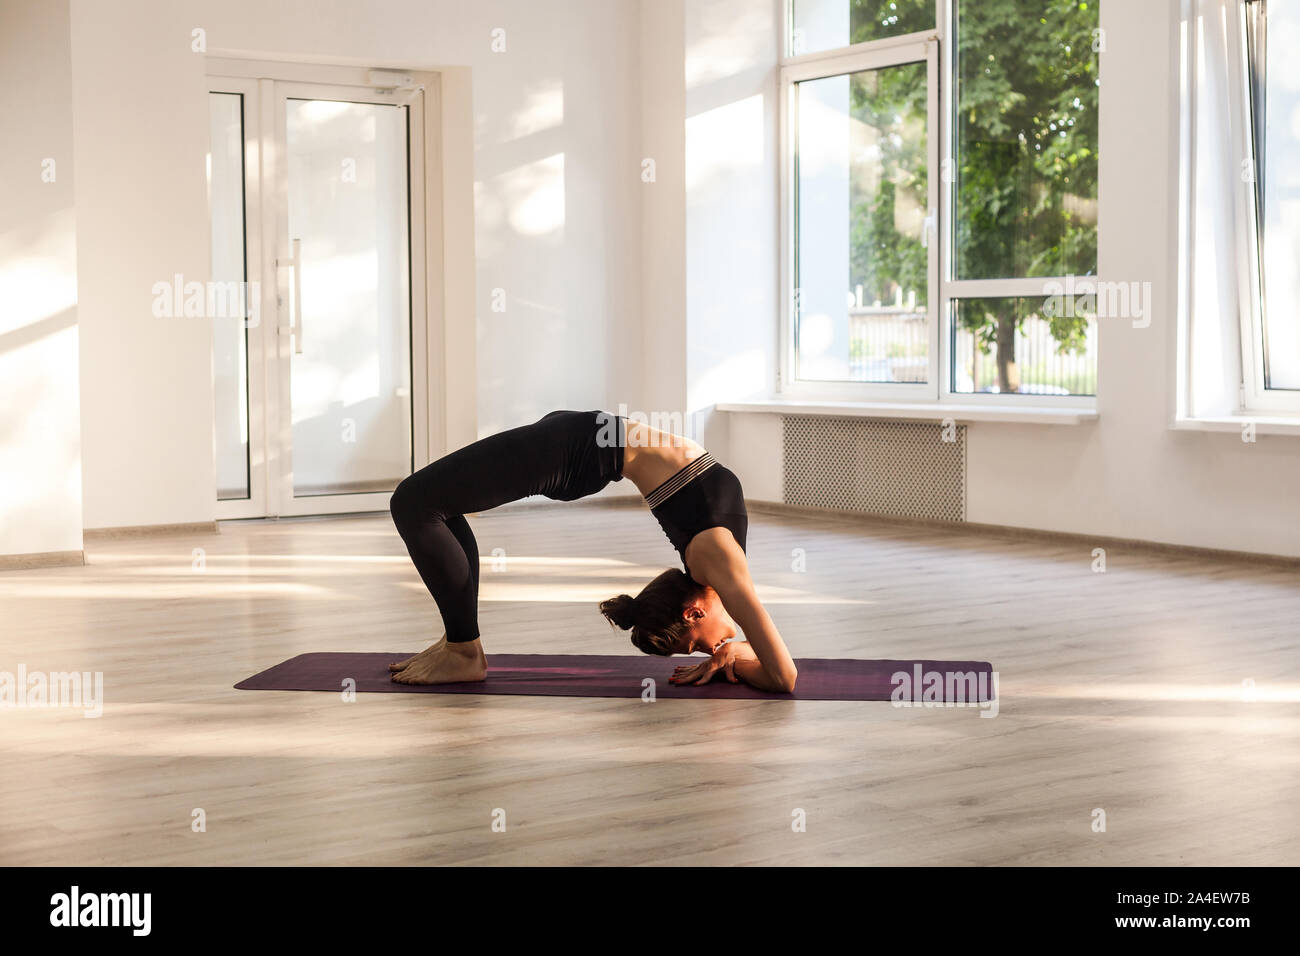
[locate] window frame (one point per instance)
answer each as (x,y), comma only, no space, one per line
(1255,395)
(936,48)
(882,54)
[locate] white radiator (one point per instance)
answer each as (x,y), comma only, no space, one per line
(897,468)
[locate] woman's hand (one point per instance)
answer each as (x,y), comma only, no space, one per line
(723,660)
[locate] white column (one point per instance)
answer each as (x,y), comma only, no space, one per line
(40,441)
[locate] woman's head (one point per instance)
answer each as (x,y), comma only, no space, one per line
(672,615)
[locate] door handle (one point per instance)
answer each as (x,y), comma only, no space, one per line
(294,262)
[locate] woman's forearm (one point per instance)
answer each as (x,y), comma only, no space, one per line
(751,670)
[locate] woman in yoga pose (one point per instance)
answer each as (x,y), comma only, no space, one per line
(568,455)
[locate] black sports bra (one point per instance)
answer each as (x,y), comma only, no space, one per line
(702,495)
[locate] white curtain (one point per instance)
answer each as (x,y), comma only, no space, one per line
(1216,207)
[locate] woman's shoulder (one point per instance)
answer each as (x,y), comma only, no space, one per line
(714,554)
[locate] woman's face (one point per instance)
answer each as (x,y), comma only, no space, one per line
(710,625)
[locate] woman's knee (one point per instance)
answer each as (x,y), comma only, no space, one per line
(402,505)
(417,501)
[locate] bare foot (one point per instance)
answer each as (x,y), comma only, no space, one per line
(446,663)
(428,651)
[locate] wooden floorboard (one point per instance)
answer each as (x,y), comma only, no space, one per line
(1120,691)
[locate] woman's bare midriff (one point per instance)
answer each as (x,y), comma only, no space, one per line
(651,456)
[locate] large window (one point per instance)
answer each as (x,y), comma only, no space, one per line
(820,25)
(941,190)
(862,199)
(1272,29)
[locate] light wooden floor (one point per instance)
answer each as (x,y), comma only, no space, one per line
(1120,691)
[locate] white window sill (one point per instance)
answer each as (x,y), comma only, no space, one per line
(924,411)
(1264,424)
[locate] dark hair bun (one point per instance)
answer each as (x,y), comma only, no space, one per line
(620,611)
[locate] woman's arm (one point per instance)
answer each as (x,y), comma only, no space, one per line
(717,560)
(736,661)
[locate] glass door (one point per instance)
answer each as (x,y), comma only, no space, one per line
(343,211)
(341,223)
(238,340)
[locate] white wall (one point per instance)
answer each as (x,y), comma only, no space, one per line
(141,125)
(662,100)
(557,213)
(1128,475)
(732,47)
(40,457)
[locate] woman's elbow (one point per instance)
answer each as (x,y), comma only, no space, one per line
(785,682)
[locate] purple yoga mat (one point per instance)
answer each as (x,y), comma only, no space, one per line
(574,675)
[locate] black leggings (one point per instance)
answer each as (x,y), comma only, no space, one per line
(565,455)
